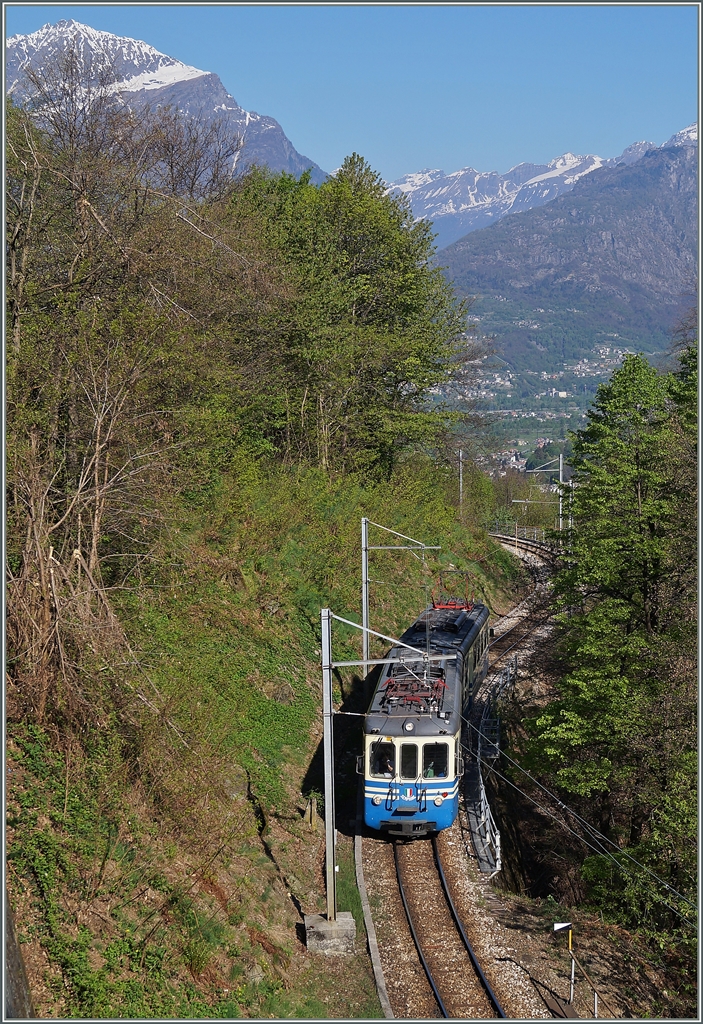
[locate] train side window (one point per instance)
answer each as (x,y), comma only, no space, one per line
(435,759)
(408,760)
(383,760)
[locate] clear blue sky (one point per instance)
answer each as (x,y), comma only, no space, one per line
(411,86)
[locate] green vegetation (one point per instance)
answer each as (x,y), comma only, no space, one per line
(622,734)
(369,325)
(162,850)
(209,383)
(567,323)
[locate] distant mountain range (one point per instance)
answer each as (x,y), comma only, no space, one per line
(616,257)
(145,76)
(467,200)
(562,254)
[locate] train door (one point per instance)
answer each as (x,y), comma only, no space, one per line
(470,663)
(458,758)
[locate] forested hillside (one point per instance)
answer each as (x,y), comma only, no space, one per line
(209,382)
(615,258)
(618,739)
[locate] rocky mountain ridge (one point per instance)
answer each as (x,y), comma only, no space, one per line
(142,75)
(616,258)
(468,200)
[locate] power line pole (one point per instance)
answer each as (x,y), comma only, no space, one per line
(365,592)
(545,469)
(334,933)
(461,484)
(328,743)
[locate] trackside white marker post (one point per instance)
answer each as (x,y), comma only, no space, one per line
(560,926)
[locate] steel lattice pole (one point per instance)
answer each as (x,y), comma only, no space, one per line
(328,744)
(365,593)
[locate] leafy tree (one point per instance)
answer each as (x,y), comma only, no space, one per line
(622,497)
(115,306)
(370,326)
(622,733)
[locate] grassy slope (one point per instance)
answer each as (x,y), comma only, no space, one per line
(160,867)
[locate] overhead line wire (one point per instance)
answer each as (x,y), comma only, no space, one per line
(590,846)
(592,829)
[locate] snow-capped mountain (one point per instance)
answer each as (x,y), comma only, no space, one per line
(143,75)
(615,257)
(686,137)
(467,200)
(137,65)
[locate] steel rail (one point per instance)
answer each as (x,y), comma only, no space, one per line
(539,605)
(506,632)
(414,933)
(535,546)
(518,641)
(460,928)
(500,1012)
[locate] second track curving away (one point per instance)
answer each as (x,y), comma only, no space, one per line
(534,612)
(459,985)
(513,637)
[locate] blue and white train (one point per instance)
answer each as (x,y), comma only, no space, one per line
(412,759)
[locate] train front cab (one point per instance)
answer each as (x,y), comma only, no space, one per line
(411,786)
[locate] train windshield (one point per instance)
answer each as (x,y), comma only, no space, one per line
(383,760)
(435,759)
(408,760)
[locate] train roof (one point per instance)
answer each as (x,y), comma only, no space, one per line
(451,627)
(407,700)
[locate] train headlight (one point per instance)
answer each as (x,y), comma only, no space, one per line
(376,801)
(438,801)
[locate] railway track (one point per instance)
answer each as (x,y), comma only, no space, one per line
(513,629)
(515,635)
(455,976)
(424,950)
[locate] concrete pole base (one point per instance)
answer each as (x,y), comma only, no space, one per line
(323,936)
